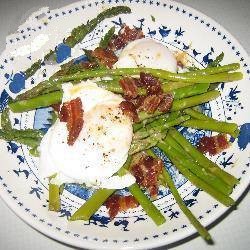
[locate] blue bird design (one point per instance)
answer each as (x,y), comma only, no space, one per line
(16,121)
(19,171)
(179,32)
(196,192)
(102,220)
(141,21)
(233,93)
(227,161)
(196,53)
(12,147)
(37,191)
(124,224)
(151,32)
(185,47)
(119,22)
(173,214)
(190,202)
(139,219)
(206,59)
(65,213)
(21,159)
(164,31)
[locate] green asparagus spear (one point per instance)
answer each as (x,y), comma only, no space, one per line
(79,33)
(196,114)
(214,70)
(146,143)
(169,182)
(194,100)
(177,160)
(92,204)
(156,121)
(170,86)
(12,136)
(5,120)
(202,172)
(97,199)
(54,198)
(183,104)
(217,61)
(55,97)
(201,159)
(148,130)
(213,125)
(190,90)
(36,102)
(185,77)
(201,230)
(147,205)
(106,39)
(34,152)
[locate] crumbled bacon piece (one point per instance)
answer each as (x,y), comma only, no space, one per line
(88,65)
(166,103)
(128,108)
(125,35)
(151,103)
(56,107)
(106,56)
(155,98)
(117,203)
(152,84)
(214,144)
(138,101)
(72,113)
(129,87)
(147,172)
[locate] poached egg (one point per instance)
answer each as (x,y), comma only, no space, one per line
(101,147)
(147,53)
(104,141)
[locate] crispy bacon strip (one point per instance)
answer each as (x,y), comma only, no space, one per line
(147,172)
(152,84)
(166,102)
(72,113)
(151,103)
(138,101)
(129,87)
(117,203)
(125,35)
(155,98)
(105,56)
(128,108)
(214,144)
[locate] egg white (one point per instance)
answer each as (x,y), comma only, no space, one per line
(147,53)
(101,147)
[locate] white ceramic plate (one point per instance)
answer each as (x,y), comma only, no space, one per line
(180,28)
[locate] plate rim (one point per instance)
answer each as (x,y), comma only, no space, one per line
(157,242)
